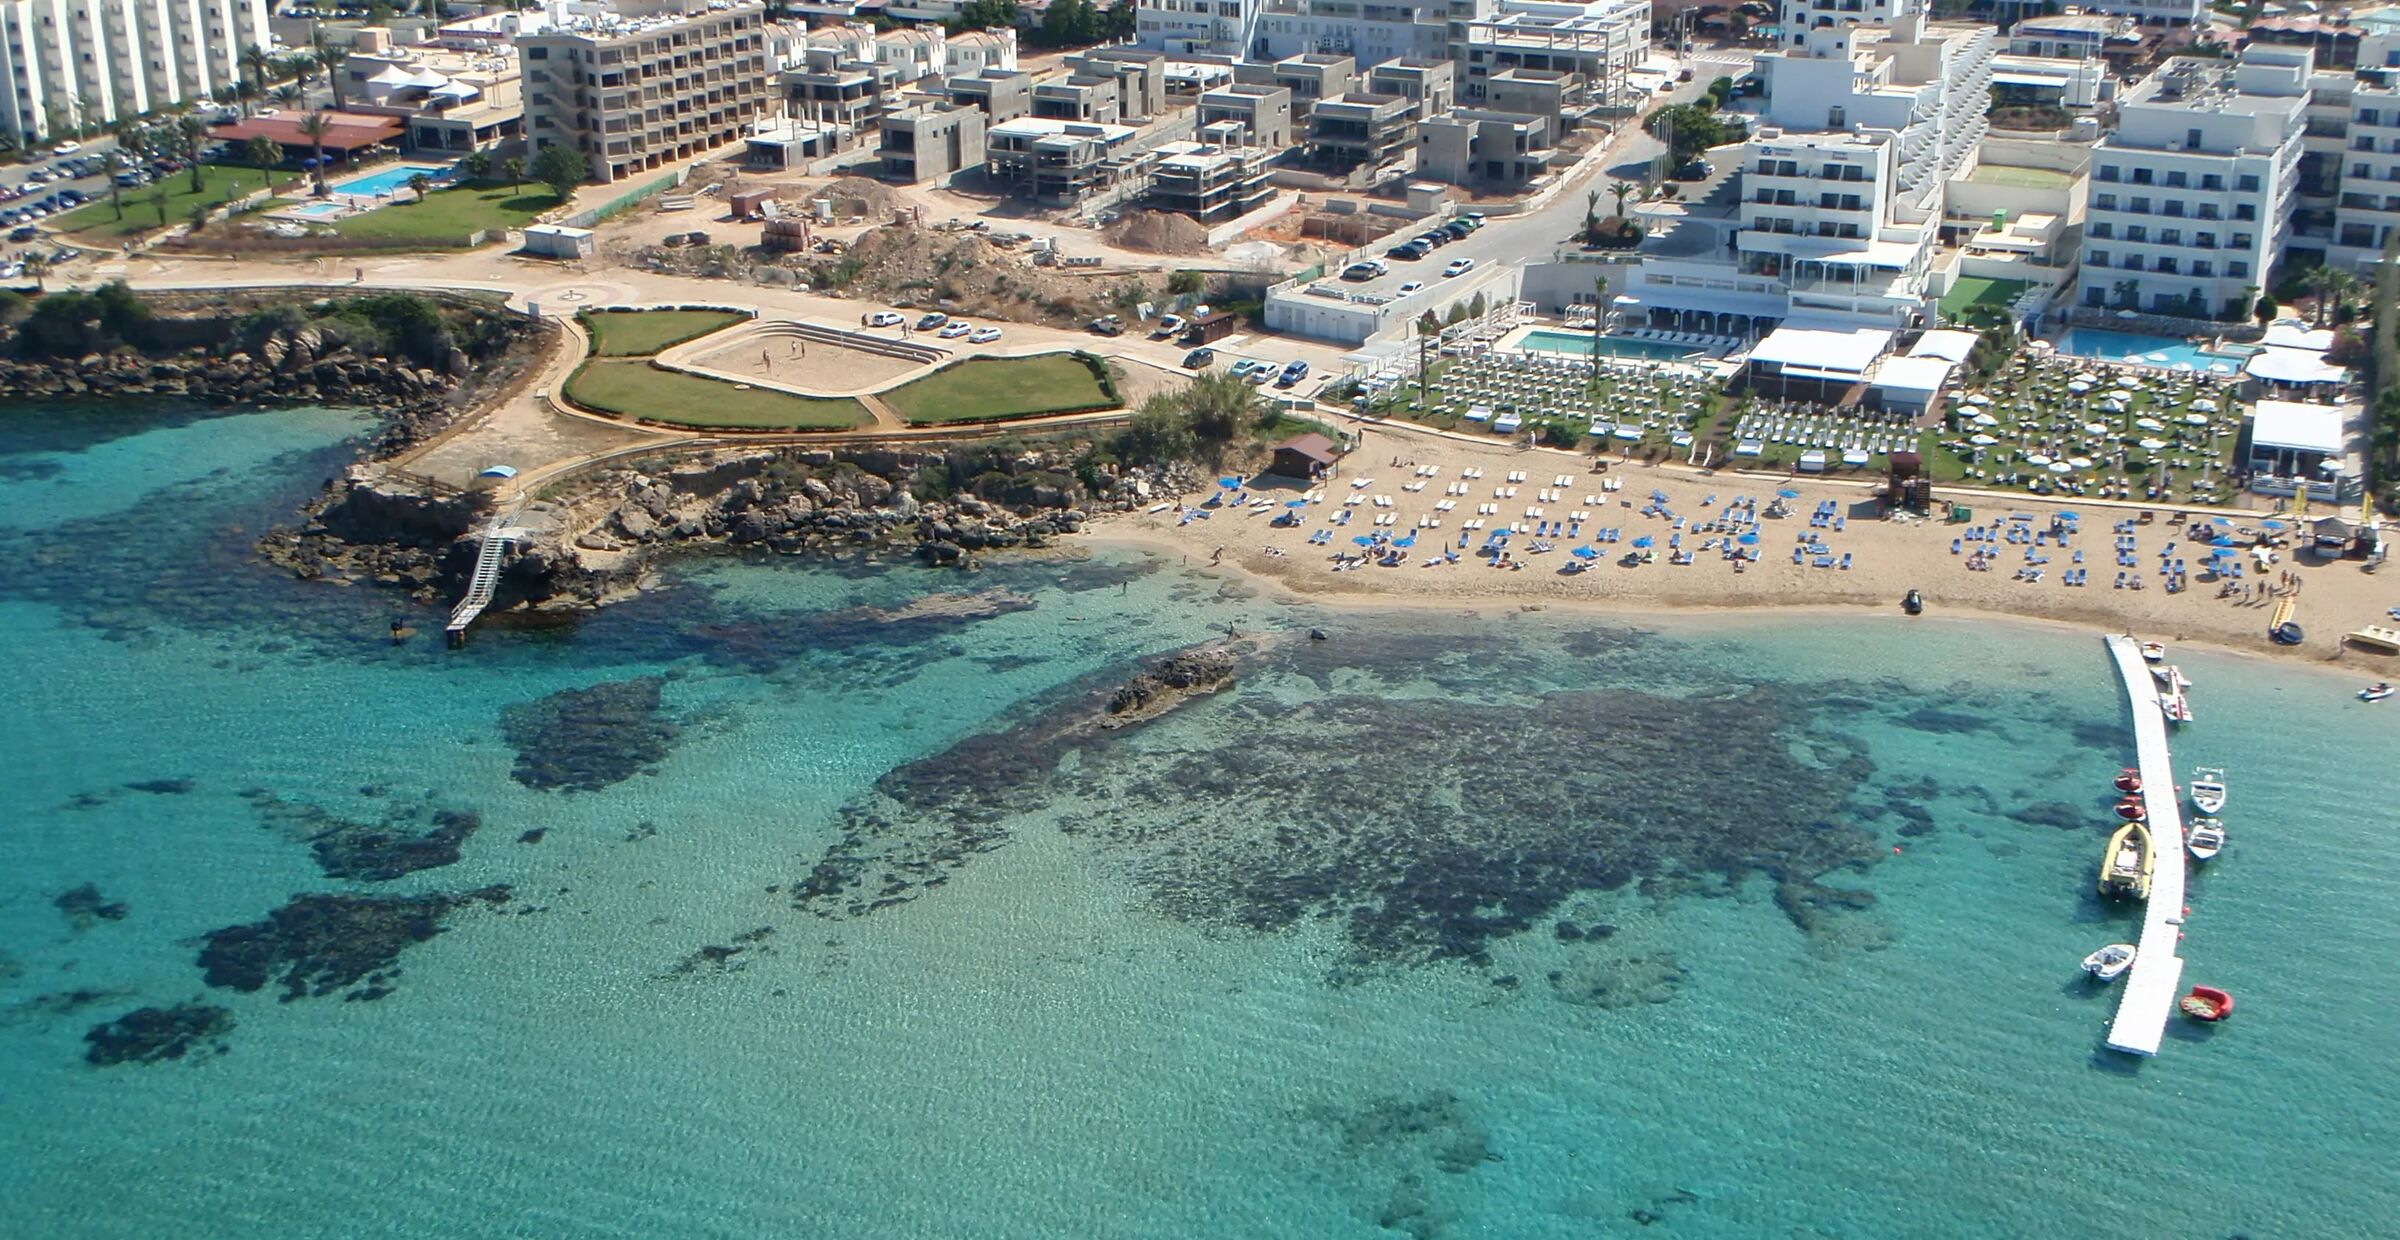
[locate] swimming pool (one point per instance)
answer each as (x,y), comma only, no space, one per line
(2163,351)
(388,181)
(318,210)
(1579,344)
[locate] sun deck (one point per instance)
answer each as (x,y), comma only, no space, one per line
(2156,981)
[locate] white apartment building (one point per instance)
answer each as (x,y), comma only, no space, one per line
(77,65)
(1842,186)
(2367,164)
(1214,27)
(1599,39)
(2191,196)
(2153,12)
(644,83)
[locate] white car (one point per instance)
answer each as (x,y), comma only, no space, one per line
(66,148)
(1410,287)
(1459,267)
(956,328)
(983,335)
(884,318)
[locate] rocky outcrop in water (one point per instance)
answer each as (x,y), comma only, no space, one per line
(1165,685)
(153,1035)
(84,907)
(321,944)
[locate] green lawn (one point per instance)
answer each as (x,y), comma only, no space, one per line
(639,390)
(218,183)
(640,333)
(988,389)
(448,215)
(1979,291)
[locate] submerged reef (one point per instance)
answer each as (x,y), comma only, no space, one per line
(583,740)
(1426,826)
(84,907)
(411,837)
(323,943)
(152,1034)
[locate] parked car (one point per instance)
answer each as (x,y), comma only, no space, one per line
(1249,368)
(928,322)
(66,148)
(1435,239)
(1693,170)
(1365,269)
(1168,325)
(1408,250)
(884,318)
(1459,267)
(983,335)
(955,328)
(1292,373)
(1410,287)
(1199,359)
(1458,229)
(1107,325)
(1477,218)
(23,233)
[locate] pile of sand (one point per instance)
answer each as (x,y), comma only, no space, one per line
(968,274)
(1158,232)
(856,196)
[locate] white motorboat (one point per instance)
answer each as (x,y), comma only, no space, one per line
(2110,962)
(2170,676)
(2207,838)
(2178,708)
(2376,692)
(2153,651)
(2208,789)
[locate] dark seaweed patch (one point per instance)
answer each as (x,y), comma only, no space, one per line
(321,943)
(152,1035)
(1951,722)
(164,787)
(583,740)
(2053,814)
(411,837)
(84,907)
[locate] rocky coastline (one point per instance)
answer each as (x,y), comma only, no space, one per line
(599,542)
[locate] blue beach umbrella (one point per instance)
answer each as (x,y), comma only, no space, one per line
(2220,520)
(1230,484)
(2070,516)
(1362,540)
(2221,541)
(1409,541)
(1788,493)
(1584,553)
(1748,540)
(2273,525)
(1295,503)
(1644,541)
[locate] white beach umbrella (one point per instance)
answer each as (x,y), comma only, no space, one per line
(2153,445)
(2205,405)
(2195,419)
(2061,467)
(2037,459)
(2080,462)
(1985,419)
(1982,441)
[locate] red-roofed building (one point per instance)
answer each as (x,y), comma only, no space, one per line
(346,134)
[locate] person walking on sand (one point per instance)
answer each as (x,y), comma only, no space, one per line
(1220,554)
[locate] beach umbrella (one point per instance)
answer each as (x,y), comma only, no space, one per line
(1644,541)
(1978,399)
(1295,503)
(1230,484)
(2150,424)
(2120,394)
(2220,520)
(2273,525)
(1985,419)
(2195,419)
(1363,541)
(2079,387)
(2037,459)
(2061,467)
(1584,553)
(2095,428)
(2222,541)
(1748,540)
(1983,441)
(2080,462)
(2153,445)
(2070,516)
(1788,493)
(1409,541)
(2205,405)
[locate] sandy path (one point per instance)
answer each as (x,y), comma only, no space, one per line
(810,365)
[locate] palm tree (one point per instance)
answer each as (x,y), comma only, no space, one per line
(2319,283)
(331,57)
(478,165)
(158,199)
(261,65)
(1591,215)
(315,125)
(286,95)
(2128,291)
(37,265)
(245,93)
(419,184)
(190,132)
(1623,190)
(1599,324)
(198,215)
(514,167)
(2340,287)
(265,153)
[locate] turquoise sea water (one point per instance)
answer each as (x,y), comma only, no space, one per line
(1443,926)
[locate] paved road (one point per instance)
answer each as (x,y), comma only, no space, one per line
(1539,234)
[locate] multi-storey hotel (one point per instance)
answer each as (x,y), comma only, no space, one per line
(1837,210)
(70,66)
(2191,196)
(642,85)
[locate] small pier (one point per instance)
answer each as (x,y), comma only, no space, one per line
(486,577)
(2156,980)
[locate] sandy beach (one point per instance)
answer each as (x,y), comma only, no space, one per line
(1885,558)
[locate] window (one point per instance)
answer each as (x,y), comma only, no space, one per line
(2191,138)
(2245,211)
(2110,172)
(2171,236)
(2103,232)
(2237,269)
(2097,258)
(2143,176)
(2137,234)
(2211,181)
(2204,270)
(2139,206)
(2246,184)
(2176,180)
(2241,241)
(2361,170)
(1837,118)
(2105,202)
(2175,208)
